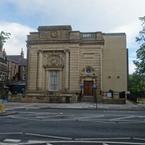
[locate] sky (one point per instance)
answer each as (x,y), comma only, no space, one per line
(20,17)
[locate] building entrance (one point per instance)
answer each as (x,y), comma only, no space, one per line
(88,88)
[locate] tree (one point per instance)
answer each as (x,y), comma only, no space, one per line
(139,74)
(3,37)
(135,83)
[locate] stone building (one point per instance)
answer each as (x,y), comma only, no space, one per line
(63,62)
(3,72)
(3,67)
(17,66)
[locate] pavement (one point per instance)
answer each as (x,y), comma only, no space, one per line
(11,106)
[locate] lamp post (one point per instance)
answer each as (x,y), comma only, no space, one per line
(81,87)
(94,89)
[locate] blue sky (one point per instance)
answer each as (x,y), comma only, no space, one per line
(19,17)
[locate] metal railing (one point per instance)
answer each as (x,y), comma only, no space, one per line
(88,36)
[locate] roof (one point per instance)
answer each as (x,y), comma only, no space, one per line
(54,27)
(114,34)
(17,59)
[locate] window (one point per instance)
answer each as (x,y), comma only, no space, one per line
(54,81)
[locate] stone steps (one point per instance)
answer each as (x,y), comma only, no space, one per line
(88,99)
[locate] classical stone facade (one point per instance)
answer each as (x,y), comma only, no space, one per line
(63,62)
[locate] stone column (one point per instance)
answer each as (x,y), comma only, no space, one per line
(39,70)
(67,69)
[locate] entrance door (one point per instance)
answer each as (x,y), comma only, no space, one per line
(88,88)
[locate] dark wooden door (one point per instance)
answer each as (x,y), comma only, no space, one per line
(88,88)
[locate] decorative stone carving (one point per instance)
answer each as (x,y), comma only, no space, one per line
(53,59)
(53,34)
(88,71)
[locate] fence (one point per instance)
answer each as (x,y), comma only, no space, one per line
(136,96)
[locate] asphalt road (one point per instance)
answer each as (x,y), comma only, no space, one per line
(73,127)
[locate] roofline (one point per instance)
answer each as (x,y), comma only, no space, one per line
(114,34)
(54,27)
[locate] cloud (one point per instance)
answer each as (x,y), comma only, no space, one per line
(131,67)
(132,30)
(83,14)
(18,37)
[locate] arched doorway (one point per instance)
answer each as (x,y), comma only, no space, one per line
(88,84)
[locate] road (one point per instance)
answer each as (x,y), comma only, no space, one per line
(73,127)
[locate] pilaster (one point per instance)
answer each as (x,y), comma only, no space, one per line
(39,70)
(67,70)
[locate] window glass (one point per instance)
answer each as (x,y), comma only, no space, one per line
(54,80)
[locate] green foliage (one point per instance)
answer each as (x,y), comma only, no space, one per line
(136,83)
(140,62)
(137,80)
(3,37)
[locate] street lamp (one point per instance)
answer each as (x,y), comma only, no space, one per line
(94,88)
(81,93)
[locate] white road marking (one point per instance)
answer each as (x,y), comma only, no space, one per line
(41,117)
(140,116)
(119,138)
(17,142)
(7,133)
(41,113)
(12,140)
(90,117)
(49,136)
(34,118)
(107,142)
(8,143)
(143,139)
(24,118)
(37,141)
(121,118)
